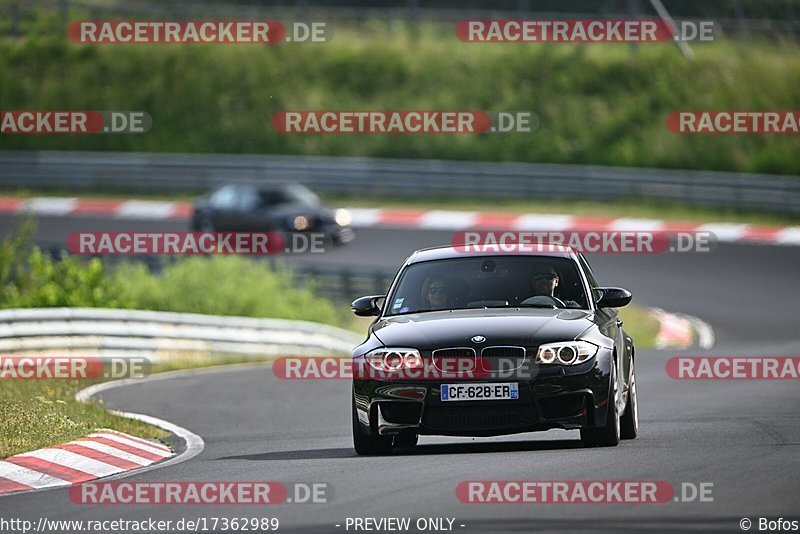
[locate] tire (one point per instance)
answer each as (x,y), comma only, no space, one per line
(629,423)
(607,435)
(367,444)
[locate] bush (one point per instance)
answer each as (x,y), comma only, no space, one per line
(30,278)
(219,285)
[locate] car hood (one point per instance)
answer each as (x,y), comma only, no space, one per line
(527,327)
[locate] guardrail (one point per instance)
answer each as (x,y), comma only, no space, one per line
(190,173)
(157,335)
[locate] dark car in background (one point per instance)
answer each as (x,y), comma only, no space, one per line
(544,339)
(245,207)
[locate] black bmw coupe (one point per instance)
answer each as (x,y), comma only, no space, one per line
(250,207)
(476,344)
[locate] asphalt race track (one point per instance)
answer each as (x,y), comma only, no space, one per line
(742,436)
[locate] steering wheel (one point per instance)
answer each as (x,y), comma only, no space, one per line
(543,300)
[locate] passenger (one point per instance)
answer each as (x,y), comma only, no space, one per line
(436,293)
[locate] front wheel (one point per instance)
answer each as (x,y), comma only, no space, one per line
(607,435)
(368,444)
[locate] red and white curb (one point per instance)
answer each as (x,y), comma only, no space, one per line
(100,454)
(105,454)
(418,219)
(119,209)
(682,331)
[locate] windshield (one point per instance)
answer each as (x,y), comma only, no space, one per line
(488,282)
(289,195)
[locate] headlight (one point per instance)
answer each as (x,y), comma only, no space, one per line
(566,353)
(343,217)
(392,359)
(300,223)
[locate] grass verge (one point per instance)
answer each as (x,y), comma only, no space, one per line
(640,325)
(41,413)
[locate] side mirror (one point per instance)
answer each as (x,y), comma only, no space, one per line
(367,306)
(614,297)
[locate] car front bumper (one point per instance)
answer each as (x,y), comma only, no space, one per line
(549,397)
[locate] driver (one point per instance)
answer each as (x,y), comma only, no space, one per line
(544,282)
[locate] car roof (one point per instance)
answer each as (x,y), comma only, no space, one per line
(460,251)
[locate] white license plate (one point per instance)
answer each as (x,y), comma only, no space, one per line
(476,392)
